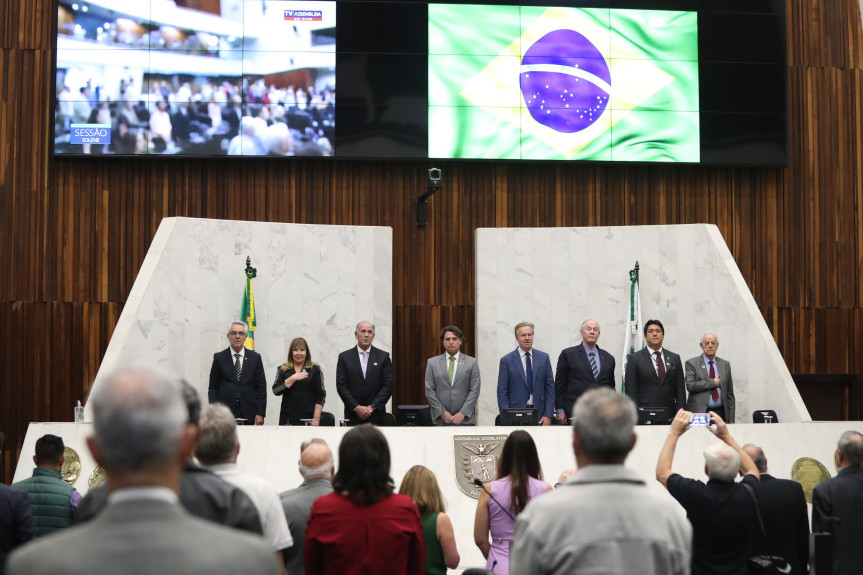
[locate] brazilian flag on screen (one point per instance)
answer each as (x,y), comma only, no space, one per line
(517,82)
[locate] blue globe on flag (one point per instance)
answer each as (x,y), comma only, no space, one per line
(565,81)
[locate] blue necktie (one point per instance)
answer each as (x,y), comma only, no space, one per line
(528,372)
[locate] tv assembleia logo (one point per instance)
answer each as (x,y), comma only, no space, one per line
(304,15)
(91,134)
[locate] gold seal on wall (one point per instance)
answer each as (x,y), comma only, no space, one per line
(71,469)
(809,473)
(477,456)
(97,478)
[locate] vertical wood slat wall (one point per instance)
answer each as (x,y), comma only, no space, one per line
(73,233)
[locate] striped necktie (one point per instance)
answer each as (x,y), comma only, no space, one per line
(238,366)
(593,367)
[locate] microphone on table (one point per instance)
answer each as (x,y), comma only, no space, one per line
(481,485)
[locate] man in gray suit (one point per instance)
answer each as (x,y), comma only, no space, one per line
(452,382)
(316,467)
(708,381)
(141,440)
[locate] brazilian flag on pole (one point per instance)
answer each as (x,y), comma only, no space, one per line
(524,82)
(247,311)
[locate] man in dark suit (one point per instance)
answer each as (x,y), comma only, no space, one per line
(142,441)
(785,514)
(654,376)
(237,379)
(452,382)
(364,379)
(581,368)
(708,381)
(837,506)
(524,378)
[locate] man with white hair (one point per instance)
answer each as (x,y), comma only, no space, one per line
(217,450)
(603,520)
(237,378)
(837,506)
(142,441)
(317,468)
(722,513)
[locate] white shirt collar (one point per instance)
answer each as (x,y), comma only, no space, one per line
(146,493)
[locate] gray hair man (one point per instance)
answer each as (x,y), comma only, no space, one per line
(217,450)
(708,381)
(785,514)
(142,441)
(603,519)
(837,506)
(721,511)
(317,468)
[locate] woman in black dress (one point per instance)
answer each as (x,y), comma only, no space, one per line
(301,385)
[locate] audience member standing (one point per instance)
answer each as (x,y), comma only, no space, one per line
(721,512)
(441,552)
(202,492)
(364,379)
(237,378)
(363,528)
(217,449)
(54,501)
(16,522)
(581,368)
(785,515)
(525,379)
(142,441)
(452,382)
(316,467)
(518,480)
(603,520)
(837,507)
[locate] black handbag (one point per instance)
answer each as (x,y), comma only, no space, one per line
(765,564)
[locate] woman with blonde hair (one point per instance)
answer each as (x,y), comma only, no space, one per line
(441,552)
(300,382)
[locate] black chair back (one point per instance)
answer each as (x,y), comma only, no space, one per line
(764,416)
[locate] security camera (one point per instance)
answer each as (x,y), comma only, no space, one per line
(434,178)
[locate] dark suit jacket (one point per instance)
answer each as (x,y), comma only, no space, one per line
(574,376)
(143,537)
(246,398)
(375,389)
(300,400)
(512,383)
(643,385)
(16,522)
(842,497)
(786,521)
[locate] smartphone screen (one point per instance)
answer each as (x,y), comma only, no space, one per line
(699,420)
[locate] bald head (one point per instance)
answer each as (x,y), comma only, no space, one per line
(757,455)
(316,462)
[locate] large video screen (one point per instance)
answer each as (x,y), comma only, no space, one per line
(559,83)
(188,77)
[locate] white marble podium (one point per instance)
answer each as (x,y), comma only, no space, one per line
(272,453)
(314,282)
(558,277)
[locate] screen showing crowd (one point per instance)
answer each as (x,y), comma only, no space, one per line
(250,78)
(519,82)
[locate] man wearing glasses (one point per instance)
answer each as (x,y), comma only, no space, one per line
(237,379)
(708,381)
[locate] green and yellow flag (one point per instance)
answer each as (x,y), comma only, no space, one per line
(247,310)
(525,82)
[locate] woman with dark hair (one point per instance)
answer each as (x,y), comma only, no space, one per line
(362,527)
(441,551)
(301,385)
(519,479)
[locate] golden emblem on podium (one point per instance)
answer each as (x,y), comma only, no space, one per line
(71,469)
(475,458)
(97,478)
(809,473)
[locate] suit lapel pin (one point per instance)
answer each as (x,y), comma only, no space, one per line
(375,363)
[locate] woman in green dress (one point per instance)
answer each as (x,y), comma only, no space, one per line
(441,552)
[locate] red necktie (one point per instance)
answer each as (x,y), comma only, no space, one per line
(660,366)
(715,393)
